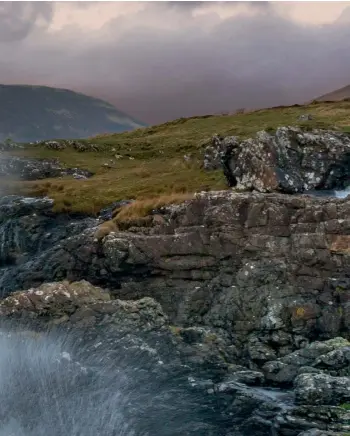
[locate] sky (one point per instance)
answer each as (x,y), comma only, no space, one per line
(159,61)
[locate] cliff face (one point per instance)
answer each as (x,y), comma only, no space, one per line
(270,271)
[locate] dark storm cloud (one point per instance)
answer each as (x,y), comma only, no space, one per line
(159,64)
(18,19)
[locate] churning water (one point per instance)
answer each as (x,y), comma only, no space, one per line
(344,193)
(55,384)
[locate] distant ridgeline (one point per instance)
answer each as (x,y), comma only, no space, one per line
(31,113)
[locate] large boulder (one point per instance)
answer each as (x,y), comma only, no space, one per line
(290,160)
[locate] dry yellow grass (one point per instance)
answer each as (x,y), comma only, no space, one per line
(138,214)
(142,208)
(105,229)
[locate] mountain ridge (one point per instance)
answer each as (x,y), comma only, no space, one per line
(336,95)
(31,113)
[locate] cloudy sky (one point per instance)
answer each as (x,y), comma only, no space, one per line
(162,60)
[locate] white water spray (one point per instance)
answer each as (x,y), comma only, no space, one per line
(58,384)
(343,193)
(43,391)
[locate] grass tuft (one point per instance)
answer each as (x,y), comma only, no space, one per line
(138,213)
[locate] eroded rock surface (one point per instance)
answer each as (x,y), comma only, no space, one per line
(290,160)
(28,231)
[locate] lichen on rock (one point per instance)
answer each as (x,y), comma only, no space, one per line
(291,160)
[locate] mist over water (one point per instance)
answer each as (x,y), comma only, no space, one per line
(56,384)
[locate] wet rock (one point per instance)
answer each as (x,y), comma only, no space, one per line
(317,432)
(321,389)
(245,376)
(331,355)
(204,348)
(251,411)
(289,161)
(320,419)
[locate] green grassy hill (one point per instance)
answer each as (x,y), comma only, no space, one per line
(30,113)
(152,162)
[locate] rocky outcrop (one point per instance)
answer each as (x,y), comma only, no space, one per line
(76,145)
(290,160)
(36,169)
(82,304)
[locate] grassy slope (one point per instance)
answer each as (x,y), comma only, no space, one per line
(158,166)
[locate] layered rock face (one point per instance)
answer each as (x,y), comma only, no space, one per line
(290,161)
(271,271)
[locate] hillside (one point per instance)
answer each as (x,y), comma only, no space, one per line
(337,95)
(30,113)
(149,162)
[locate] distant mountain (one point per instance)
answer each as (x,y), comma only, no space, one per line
(30,113)
(337,95)
(344,17)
